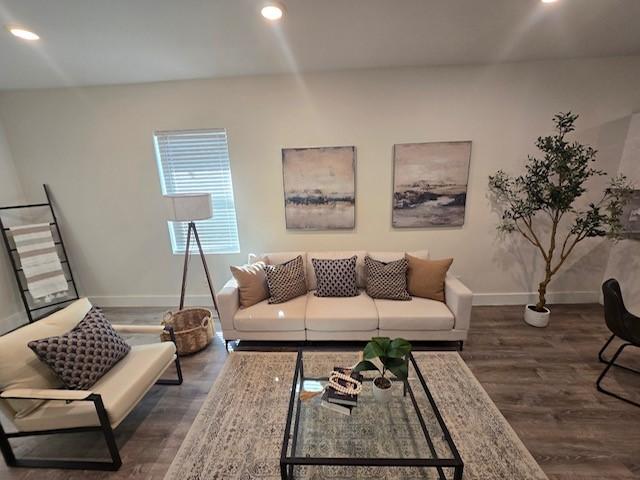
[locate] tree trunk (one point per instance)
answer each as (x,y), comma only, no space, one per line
(548,273)
(542,290)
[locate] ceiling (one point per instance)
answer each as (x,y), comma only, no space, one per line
(94,42)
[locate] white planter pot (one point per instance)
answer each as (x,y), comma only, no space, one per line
(382,395)
(536,319)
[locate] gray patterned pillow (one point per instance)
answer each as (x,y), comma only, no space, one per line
(83,355)
(286,280)
(387,280)
(336,278)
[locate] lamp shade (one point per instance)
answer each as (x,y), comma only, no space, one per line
(188,207)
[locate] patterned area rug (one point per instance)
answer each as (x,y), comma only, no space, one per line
(238,432)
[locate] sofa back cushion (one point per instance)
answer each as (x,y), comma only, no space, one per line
(277,258)
(387,257)
(312,282)
(20,367)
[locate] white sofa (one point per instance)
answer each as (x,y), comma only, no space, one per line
(352,318)
(33,401)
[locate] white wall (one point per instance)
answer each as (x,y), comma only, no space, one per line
(94,147)
(624,260)
(11,309)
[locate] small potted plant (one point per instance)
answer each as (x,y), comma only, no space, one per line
(392,355)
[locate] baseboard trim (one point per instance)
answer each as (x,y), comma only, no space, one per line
(169,301)
(523,298)
(505,298)
(13,321)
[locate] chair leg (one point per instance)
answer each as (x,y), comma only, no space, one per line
(172,381)
(610,364)
(5,447)
(602,358)
(105,427)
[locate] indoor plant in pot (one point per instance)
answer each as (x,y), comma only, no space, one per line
(542,205)
(392,355)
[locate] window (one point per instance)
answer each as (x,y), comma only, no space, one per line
(191,161)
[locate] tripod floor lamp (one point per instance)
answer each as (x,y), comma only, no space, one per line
(190,208)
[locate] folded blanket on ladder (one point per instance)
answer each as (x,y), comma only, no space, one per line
(40,262)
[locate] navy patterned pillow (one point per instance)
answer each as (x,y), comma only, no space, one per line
(83,355)
(336,278)
(387,280)
(286,281)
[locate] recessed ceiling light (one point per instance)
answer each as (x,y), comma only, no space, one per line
(23,33)
(549,1)
(272,11)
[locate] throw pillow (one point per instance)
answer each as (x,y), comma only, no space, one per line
(83,355)
(286,280)
(252,283)
(336,277)
(387,280)
(425,278)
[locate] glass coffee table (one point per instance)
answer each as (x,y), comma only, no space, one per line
(408,434)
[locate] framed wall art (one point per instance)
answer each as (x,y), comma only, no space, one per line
(319,187)
(430,184)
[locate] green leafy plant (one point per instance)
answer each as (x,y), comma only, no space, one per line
(392,355)
(549,188)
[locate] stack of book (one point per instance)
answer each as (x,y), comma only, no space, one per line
(337,401)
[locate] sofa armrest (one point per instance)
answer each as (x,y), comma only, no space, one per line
(46,394)
(228,304)
(458,298)
(157,329)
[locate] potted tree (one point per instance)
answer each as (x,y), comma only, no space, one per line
(392,356)
(548,192)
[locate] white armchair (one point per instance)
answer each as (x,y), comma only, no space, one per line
(34,403)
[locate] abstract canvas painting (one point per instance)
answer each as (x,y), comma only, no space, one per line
(319,187)
(631,214)
(430,184)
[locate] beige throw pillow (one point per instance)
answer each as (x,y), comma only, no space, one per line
(425,278)
(252,283)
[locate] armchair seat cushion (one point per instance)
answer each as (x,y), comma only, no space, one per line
(121,388)
(266,317)
(339,314)
(415,315)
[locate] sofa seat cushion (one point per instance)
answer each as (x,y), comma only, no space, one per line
(121,388)
(337,314)
(417,314)
(267,317)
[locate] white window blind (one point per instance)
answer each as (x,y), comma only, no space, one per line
(197,161)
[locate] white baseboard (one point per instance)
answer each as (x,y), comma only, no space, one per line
(13,321)
(505,298)
(523,298)
(168,301)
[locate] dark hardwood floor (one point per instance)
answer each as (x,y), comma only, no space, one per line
(541,379)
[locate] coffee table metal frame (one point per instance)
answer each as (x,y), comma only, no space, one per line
(288,462)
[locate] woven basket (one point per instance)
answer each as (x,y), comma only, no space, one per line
(193,328)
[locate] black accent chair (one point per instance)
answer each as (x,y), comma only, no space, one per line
(623,325)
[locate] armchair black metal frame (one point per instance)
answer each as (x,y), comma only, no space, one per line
(105,427)
(623,325)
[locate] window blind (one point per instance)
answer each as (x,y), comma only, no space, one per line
(197,161)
